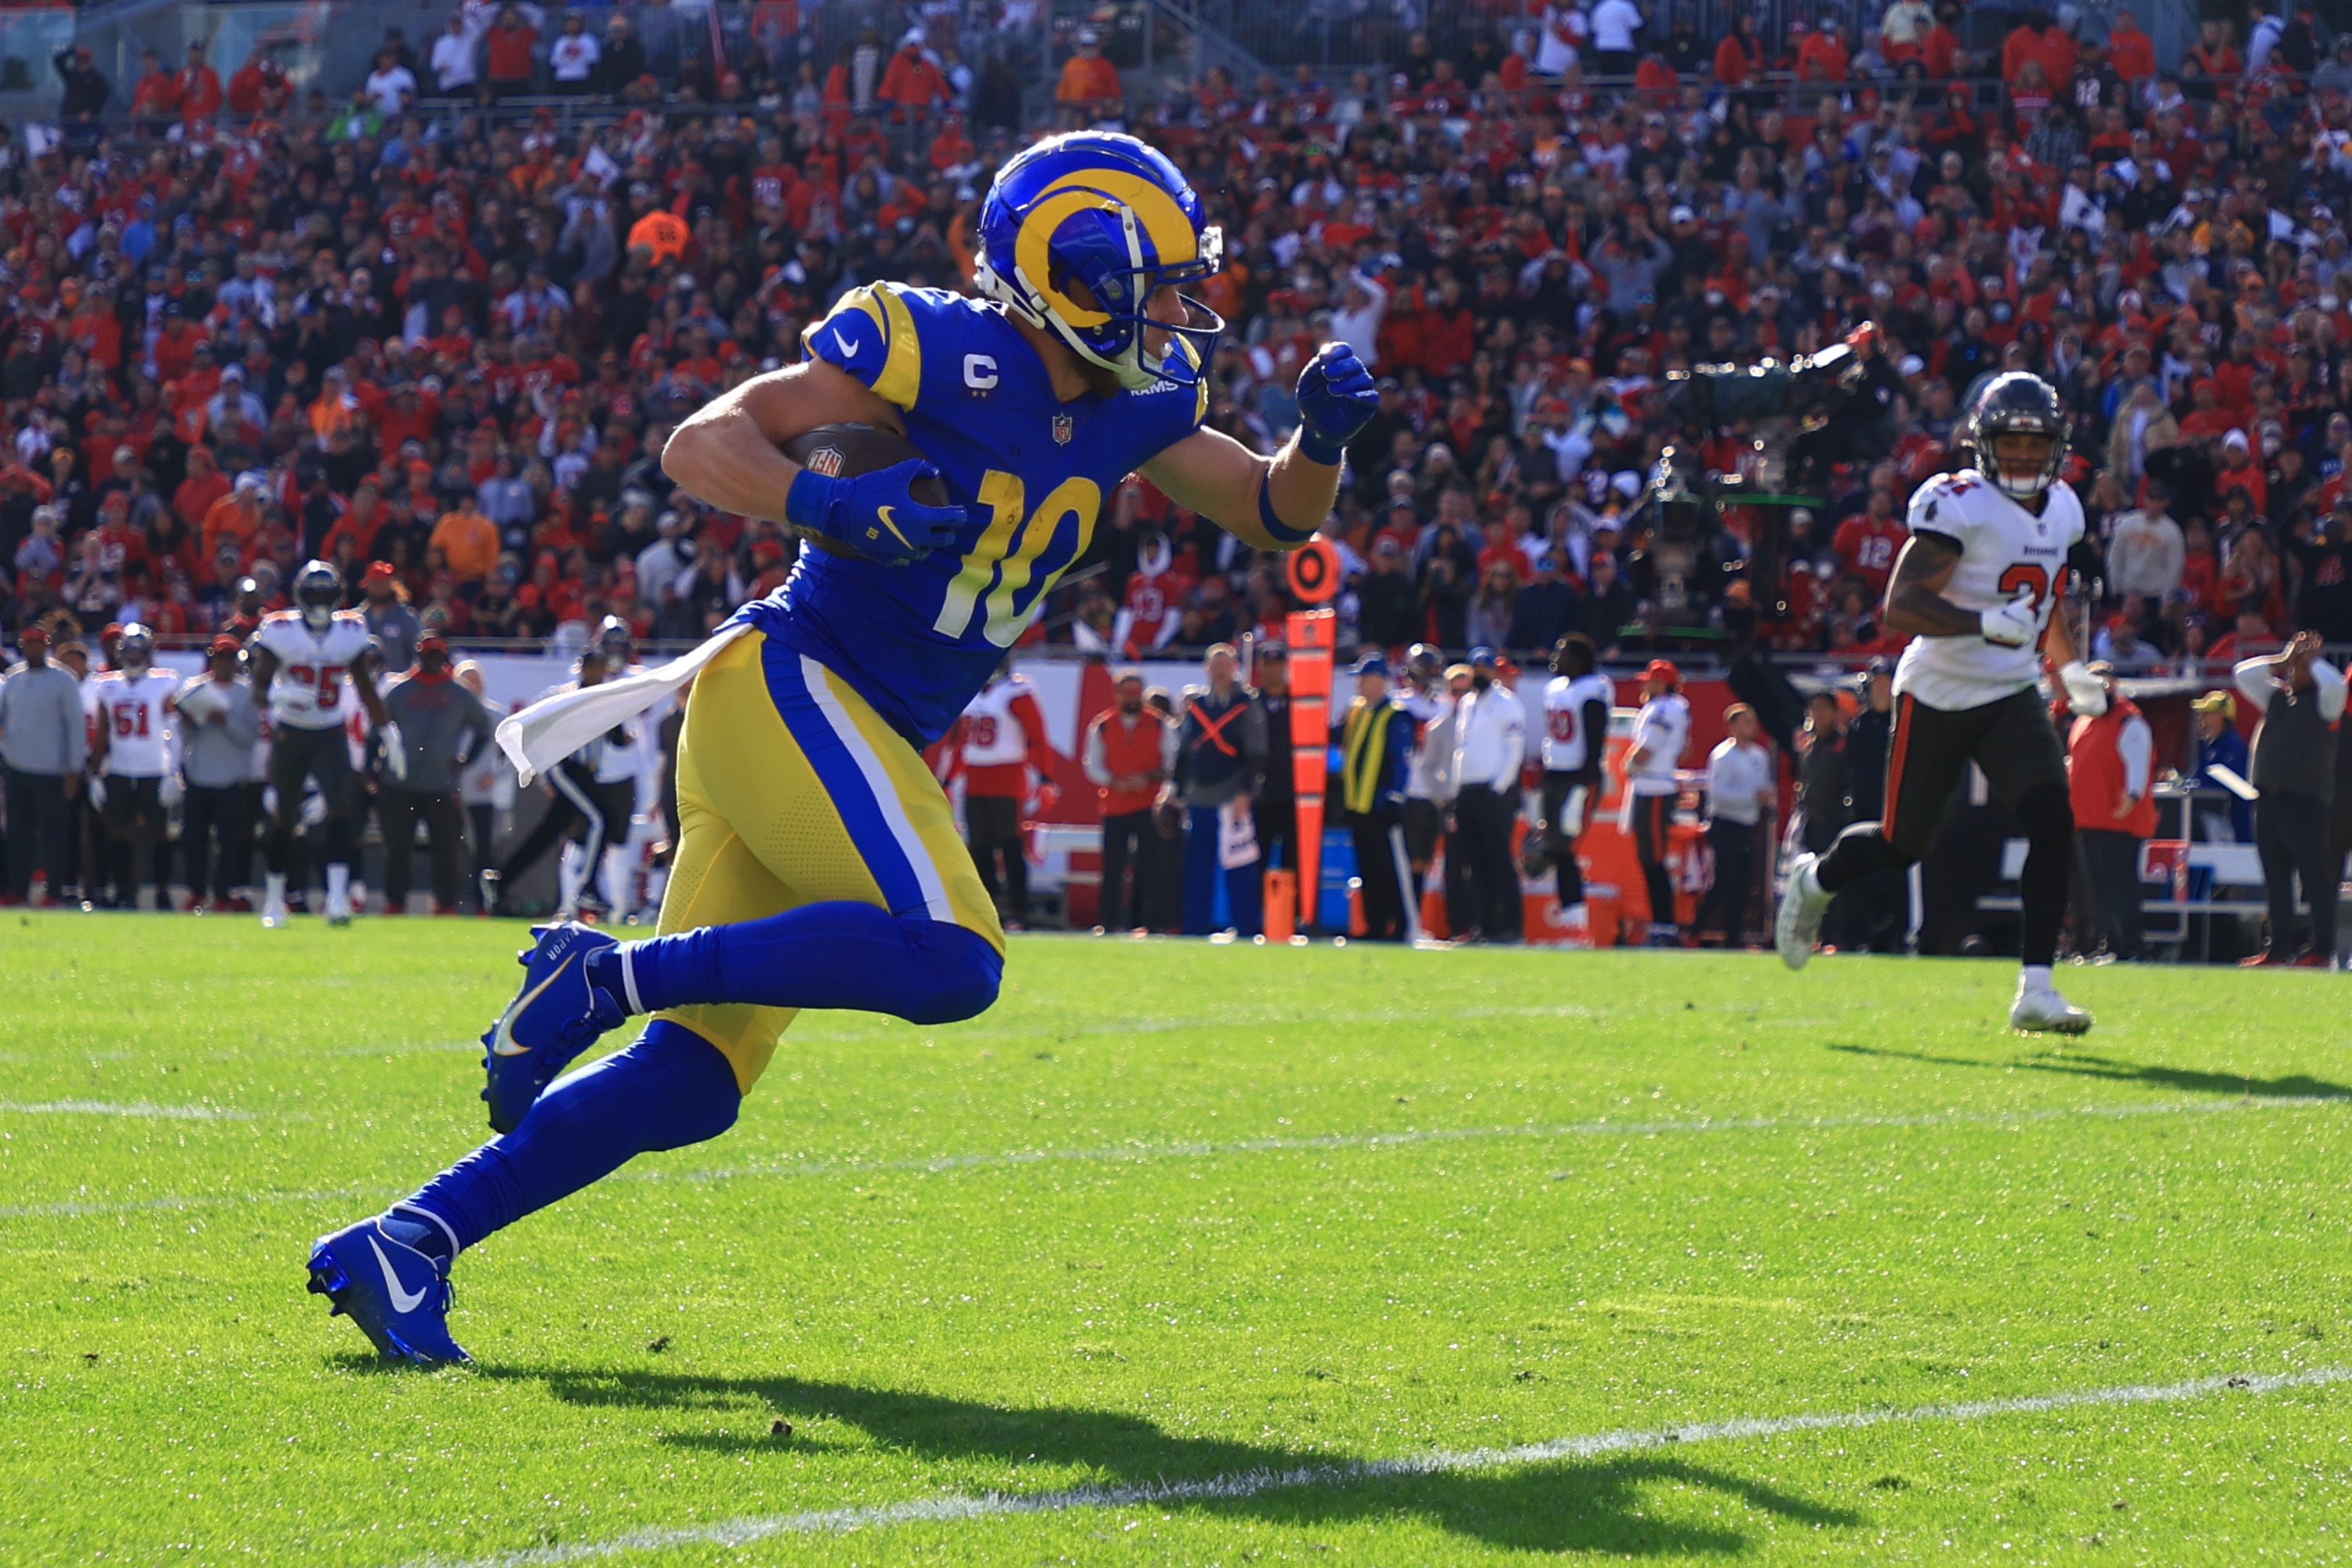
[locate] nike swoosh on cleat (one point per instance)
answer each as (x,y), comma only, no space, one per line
(402,1301)
(883,515)
(503,1037)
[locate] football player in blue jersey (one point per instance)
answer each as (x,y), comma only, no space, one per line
(819,864)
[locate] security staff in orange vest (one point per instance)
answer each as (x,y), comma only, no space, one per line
(1129,754)
(2109,758)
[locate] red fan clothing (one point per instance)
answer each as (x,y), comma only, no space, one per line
(2131,52)
(2096,777)
(200,92)
(1868,546)
(1155,603)
(997,734)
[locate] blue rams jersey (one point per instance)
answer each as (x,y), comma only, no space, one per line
(918,641)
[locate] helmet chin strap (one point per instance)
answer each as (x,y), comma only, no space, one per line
(1125,364)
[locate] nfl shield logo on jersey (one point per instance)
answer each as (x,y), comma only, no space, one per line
(1062,426)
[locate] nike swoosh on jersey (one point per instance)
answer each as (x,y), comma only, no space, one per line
(842,344)
(502,1039)
(402,1301)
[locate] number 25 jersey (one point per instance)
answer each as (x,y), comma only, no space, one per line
(918,641)
(2004,550)
(313,668)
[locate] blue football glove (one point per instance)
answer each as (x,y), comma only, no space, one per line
(875,514)
(1336,399)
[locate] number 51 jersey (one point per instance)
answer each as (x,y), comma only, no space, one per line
(918,641)
(2004,549)
(313,668)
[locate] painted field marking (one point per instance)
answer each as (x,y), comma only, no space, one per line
(123,1108)
(1252,1483)
(1138,1152)
(1598,1129)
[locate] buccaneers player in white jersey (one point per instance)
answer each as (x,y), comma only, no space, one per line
(304,660)
(1977,588)
(133,708)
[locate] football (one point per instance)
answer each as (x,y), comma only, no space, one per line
(841,451)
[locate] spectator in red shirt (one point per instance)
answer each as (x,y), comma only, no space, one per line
(1939,51)
(175,347)
(2235,377)
(2211,67)
(1867,541)
(2239,471)
(2028,41)
(951,149)
(1449,333)
(1653,78)
(360,523)
(245,85)
(157,95)
(199,85)
(911,83)
(120,547)
(2129,51)
(204,484)
(1823,55)
(2207,419)
(507,54)
(1741,53)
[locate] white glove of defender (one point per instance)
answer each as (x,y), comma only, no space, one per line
(2013,625)
(2085,693)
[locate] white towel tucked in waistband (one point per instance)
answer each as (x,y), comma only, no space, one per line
(551,729)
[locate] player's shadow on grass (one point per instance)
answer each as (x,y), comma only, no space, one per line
(2074,1064)
(1603,1505)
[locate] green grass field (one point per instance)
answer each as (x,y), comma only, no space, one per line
(1244,1222)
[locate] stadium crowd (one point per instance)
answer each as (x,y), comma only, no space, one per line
(439,339)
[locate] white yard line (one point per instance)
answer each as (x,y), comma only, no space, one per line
(1141,1152)
(123,1108)
(69,1208)
(1600,1129)
(1252,1483)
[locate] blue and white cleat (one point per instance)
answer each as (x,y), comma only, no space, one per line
(554,1016)
(398,1295)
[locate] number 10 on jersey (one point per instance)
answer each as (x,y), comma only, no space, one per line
(995,578)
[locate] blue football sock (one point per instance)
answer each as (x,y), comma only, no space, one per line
(670,1088)
(421,1234)
(840,955)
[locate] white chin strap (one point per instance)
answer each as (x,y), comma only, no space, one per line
(1127,364)
(2021,489)
(318,620)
